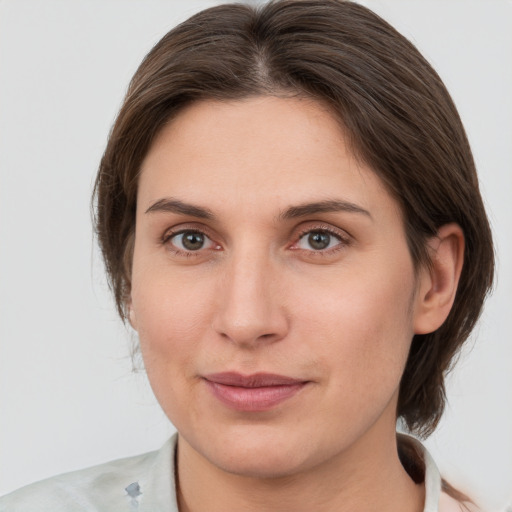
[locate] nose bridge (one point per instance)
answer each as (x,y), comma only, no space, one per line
(249,308)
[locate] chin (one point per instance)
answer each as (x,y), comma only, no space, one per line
(259,453)
(262,465)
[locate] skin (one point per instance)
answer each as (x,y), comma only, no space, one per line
(258,297)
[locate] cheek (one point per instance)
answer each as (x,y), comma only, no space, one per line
(172,315)
(172,318)
(365,324)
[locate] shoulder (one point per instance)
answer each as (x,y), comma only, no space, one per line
(114,486)
(449,504)
(439,495)
(88,489)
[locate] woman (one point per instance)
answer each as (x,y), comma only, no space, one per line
(290,218)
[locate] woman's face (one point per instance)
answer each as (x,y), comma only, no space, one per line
(272,288)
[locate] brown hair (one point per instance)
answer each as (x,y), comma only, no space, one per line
(396,111)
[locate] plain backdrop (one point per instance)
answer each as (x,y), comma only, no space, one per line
(68,396)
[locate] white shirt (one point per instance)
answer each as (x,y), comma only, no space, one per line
(145,483)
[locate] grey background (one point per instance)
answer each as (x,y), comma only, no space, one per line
(68,397)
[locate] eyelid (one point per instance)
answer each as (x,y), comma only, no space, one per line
(299,232)
(185,228)
(343,236)
(323,226)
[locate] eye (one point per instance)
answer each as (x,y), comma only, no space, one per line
(190,241)
(320,240)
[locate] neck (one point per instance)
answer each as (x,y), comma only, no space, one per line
(366,477)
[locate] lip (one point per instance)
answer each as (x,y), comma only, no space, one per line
(253,393)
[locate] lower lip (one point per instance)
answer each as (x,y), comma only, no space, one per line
(253,399)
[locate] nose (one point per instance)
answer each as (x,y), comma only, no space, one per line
(250,310)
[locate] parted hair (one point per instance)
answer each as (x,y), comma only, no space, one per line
(396,112)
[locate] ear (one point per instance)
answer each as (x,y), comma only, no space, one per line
(438,284)
(132,318)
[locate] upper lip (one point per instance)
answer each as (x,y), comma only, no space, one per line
(255,380)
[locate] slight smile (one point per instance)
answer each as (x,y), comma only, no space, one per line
(252,393)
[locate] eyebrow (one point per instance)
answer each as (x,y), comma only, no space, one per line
(176,206)
(327,206)
(171,205)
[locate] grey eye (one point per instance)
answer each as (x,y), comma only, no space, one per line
(189,240)
(319,240)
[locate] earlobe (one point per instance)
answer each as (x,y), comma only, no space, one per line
(438,283)
(131,316)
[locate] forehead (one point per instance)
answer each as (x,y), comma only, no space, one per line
(243,153)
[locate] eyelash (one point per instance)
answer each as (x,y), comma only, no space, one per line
(343,240)
(169,235)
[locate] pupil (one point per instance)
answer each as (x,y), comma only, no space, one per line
(319,240)
(193,241)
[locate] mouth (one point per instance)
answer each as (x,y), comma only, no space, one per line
(252,393)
